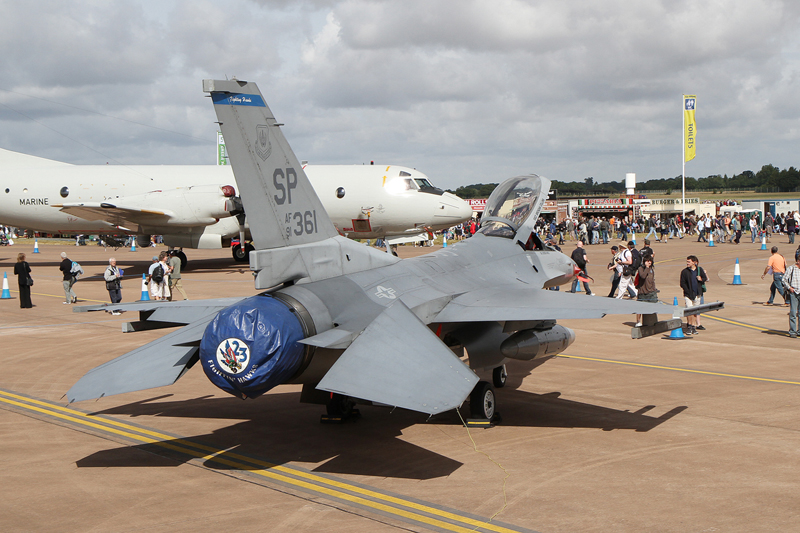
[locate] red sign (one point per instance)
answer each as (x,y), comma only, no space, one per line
(477,205)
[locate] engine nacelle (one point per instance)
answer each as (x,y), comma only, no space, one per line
(532,344)
(252,346)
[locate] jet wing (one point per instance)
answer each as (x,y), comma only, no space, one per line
(117,214)
(157,363)
(382,366)
(517,304)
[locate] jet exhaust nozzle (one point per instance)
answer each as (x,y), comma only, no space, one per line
(252,346)
(532,344)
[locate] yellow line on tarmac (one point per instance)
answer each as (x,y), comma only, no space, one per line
(238,461)
(677,369)
(59,296)
(742,324)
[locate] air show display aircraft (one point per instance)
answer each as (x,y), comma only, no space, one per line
(198,207)
(353,324)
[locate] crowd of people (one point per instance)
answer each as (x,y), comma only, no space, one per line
(163,279)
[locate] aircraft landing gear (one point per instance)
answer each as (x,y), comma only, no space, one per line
(182,257)
(240,254)
(340,409)
(499,377)
(482,405)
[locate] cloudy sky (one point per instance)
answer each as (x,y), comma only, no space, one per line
(465,91)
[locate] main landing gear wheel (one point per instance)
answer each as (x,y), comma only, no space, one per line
(499,377)
(340,408)
(481,401)
(240,254)
(182,257)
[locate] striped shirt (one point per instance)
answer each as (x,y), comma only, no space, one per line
(791,278)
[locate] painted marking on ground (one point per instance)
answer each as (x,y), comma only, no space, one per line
(421,513)
(678,369)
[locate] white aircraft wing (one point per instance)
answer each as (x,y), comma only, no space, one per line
(117,214)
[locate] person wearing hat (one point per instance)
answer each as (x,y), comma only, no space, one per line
(175,275)
(69,280)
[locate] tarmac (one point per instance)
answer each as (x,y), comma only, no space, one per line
(615,434)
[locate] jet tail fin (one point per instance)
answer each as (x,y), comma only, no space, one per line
(282,207)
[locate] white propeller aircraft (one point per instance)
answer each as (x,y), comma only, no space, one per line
(198,207)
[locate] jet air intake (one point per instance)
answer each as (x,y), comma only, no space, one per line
(252,346)
(532,344)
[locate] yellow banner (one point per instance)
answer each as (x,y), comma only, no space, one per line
(689,126)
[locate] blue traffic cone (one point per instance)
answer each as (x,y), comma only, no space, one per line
(145,292)
(133,245)
(711,239)
(444,240)
(6,293)
(737,277)
(677,333)
(633,238)
(36,246)
(763,240)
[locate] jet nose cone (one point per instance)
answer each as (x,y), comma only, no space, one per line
(454,207)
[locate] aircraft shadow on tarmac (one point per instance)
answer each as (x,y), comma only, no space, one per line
(281,430)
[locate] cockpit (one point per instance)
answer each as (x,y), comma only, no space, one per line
(407,182)
(513,207)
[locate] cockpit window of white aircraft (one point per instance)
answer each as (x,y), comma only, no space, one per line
(509,206)
(423,183)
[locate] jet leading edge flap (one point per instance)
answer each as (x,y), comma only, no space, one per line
(513,303)
(381,366)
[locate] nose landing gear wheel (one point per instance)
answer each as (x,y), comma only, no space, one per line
(499,377)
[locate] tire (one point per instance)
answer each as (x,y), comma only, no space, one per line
(239,255)
(482,401)
(340,406)
(184,260)
(499,377)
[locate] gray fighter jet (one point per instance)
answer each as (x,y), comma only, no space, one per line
(349,322)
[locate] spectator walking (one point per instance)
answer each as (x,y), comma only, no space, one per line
(579,256)
(777,267)
(69,279)
(23,271)
(175,276)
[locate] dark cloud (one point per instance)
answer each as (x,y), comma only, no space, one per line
(465,91)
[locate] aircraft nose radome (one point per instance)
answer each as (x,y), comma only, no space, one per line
(455,207)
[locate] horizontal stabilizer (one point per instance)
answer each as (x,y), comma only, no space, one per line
(155,364)
(383,365)
(182,312)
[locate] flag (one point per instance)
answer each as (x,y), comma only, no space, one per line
(689,126)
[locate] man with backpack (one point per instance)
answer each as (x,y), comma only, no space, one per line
(630,260)
(71,270)
(156,277)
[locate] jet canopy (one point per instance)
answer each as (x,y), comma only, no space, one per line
(514,205)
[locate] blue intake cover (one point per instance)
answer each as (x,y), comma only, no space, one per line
(251,347)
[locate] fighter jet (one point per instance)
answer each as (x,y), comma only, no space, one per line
(353,324)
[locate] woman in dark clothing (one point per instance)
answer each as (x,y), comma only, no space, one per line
(646,285)
(23,271)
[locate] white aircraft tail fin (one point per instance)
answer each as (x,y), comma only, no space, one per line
(281,206)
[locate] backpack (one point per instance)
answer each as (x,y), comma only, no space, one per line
(75,270)
(636,258)
(158,274)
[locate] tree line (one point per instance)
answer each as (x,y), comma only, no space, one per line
(769,178)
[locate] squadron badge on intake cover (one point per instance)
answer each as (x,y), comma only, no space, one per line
(233,355)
